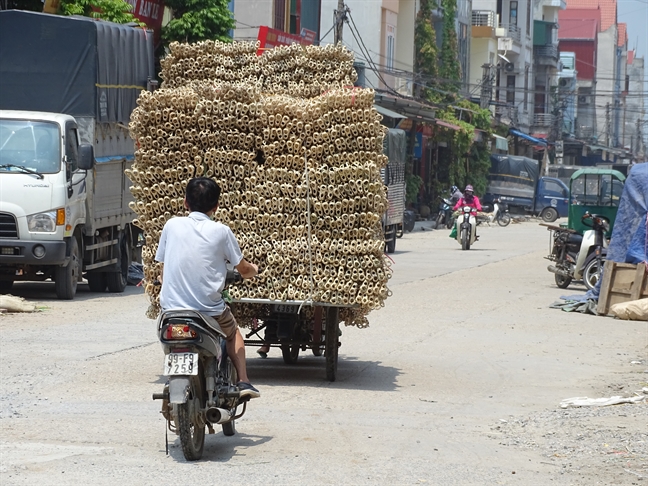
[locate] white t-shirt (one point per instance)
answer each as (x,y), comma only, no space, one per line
(195,251)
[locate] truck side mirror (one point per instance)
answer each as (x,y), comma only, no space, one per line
(86,156)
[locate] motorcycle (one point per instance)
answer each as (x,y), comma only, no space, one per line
(466,228)
(445,214)
(201,390)
(500,214)
(579,257)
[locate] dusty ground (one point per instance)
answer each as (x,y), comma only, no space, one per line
(458,380)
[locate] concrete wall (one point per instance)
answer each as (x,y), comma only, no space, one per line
(254,13)
(407,10)
(606,72)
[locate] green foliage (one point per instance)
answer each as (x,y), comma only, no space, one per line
(470,161)
(31,5)
(117,11)
(425,50)
(450,69)
(413,185)
(196,20)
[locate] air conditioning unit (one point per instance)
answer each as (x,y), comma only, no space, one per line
(509,67)
(584,99)
(563,82)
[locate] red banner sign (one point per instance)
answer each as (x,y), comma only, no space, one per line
(150,12)
(270,38)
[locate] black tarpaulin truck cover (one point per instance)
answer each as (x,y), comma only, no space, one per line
(72,65)
(513,175)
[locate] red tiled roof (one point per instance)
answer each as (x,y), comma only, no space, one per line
(623,34)
(630,57)
(578,29)
(608,10)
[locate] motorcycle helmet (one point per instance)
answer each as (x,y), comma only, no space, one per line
(453,189)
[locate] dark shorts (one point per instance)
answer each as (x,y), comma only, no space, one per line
(227,323)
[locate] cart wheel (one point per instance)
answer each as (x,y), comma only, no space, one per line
(290,353)
(332,338)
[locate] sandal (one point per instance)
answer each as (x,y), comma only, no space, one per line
(263,351)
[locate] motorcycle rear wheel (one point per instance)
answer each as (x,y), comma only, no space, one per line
(439,220)
(562,281)
(190,429)
(504,219)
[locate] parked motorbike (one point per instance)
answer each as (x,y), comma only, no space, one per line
(579,257)
(445,215)
(201,390)
(499,214)
(466,228)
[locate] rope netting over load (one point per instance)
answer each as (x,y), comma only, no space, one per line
(297,153)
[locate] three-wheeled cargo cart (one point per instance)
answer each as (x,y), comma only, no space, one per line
(295,326)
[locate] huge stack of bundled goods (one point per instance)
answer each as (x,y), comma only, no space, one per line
(297,151)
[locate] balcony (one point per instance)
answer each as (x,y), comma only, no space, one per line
(544,120)
(513,31)
(483,23)
(547,55)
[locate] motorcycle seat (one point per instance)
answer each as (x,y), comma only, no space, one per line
(575,239)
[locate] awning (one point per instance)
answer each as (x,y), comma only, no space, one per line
(448,125)
(501,143)
(407,107)
(536,141)
(385,112)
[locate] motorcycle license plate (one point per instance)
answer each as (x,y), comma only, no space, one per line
(286,308)
(181,364)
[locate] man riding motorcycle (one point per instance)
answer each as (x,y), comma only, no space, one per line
(194,251)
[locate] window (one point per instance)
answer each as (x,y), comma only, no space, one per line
(513,13)
(295,16)
(528,18)
(33,145)
(279,14)
(554,189)
(71,144)
(390,46)
(510,89)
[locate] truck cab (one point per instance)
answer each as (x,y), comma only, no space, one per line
(43,175)
(552,199)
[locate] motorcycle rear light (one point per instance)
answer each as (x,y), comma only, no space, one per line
(180,331)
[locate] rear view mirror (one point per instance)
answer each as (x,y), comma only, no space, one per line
(86,156)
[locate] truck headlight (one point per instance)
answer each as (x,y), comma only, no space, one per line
(42,222)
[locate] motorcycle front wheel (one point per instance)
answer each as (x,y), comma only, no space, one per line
(592,273)
(465,239)
(190,427)
(229,428)
(504,219)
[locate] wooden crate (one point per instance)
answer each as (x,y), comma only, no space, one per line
(622,282)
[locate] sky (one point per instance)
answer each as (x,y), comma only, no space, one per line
(635,14)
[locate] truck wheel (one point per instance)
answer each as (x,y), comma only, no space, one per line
(391,244)
(96,282)
(549,215)
(290,353)
(331,337)
(67,277)
(5,285)
(117,281)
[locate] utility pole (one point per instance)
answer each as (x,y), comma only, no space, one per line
(607,124)
(340,15)
(487,87)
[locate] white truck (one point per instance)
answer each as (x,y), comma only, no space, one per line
(395,147)
(68,88)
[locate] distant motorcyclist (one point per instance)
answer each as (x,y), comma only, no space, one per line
(469,199)
(455,194)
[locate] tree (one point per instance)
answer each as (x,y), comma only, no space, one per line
(450,69)
(425,52)
(117,11)
(196,20)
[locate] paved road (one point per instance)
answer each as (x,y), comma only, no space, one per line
(466,341)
